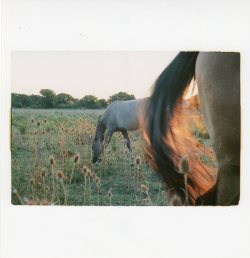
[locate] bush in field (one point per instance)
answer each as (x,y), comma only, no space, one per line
(120,96)
(20,100)
(89,101)
(64,99)
(49,98)
(102,103)
(36,101)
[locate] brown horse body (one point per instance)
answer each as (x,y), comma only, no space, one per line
(218,79)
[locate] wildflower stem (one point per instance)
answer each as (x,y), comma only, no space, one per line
(53,184)
(64,193)
(72,173)
(44,190)
(186,189)
(19,198)
(33,193)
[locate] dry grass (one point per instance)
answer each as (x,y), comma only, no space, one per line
(51,163)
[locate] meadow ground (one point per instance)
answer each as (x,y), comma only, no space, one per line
(51,162)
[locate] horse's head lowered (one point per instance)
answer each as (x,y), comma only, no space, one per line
(97,148)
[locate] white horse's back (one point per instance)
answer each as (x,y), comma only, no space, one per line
(123,115)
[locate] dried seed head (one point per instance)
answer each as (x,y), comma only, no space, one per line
(60,175)
(92,174)
(144,188)
(88,173)
(51,160)
(184,167)
(175,201)
(97,180)
(110,192)
(77,158)
(84,170)
(138,161)
(43,172)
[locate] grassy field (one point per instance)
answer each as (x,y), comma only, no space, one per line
(51,163)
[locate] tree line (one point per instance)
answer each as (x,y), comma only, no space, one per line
(49,99)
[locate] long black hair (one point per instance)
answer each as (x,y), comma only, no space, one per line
(168,89)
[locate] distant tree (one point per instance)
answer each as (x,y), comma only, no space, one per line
(20,100)
(15,100)
(89,101)
(64,99)
(36,100)
(102,103)
(120,96)
(49,98)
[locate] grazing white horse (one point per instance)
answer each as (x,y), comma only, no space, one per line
(120,116)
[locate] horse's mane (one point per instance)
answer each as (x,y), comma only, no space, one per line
(99,130)
(164,146)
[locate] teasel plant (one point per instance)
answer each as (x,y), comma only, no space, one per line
(89,175)
(76,161)
(175,200)
(46,192)
(110,194)
(184,170)
(145,189)
(61,178)
(52,164)
(43,174)
(84,172)
(32,182)
(62,143)
(98,186)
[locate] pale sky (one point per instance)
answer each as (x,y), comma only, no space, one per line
(80,73)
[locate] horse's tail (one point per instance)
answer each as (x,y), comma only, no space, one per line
(169,88)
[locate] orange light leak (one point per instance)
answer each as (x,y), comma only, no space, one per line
(202,170)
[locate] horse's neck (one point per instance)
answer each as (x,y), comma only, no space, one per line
(99,135)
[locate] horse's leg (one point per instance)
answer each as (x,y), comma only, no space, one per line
(228,191)
(217,76)
(108,137)
(127,140)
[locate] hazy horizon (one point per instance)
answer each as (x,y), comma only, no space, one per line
(80,73)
